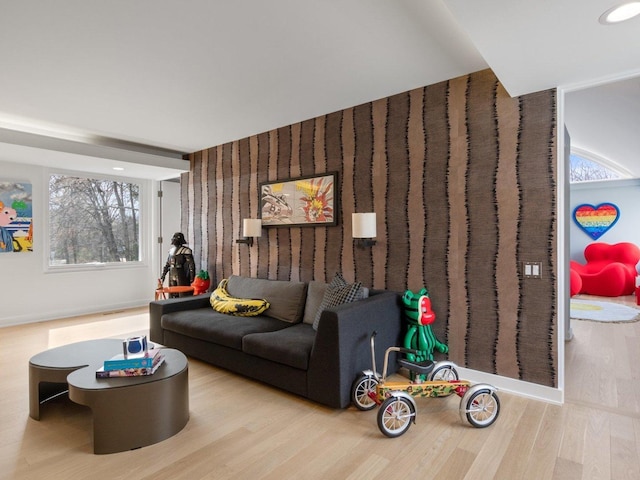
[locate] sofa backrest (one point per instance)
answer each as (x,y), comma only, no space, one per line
(286,299)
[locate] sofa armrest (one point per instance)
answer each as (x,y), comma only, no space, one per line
(342,348)
(158,308)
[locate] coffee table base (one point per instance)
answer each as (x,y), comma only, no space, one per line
(138,415)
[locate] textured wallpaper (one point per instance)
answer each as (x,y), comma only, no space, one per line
(462,178)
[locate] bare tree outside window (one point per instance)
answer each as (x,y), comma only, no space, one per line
(584,170)
(93,221)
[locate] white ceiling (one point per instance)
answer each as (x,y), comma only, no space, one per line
(604,124)
(536,45)
(184,75)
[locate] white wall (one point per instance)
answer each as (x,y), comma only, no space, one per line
(623,193)
(28,293)
(170,219)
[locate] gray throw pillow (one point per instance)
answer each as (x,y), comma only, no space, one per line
(338,292)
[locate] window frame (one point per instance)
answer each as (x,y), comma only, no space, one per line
(144,222)
(599,160)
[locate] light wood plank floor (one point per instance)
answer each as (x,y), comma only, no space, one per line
(241,429)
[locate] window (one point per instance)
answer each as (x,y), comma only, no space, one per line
(93,221)
(584,170)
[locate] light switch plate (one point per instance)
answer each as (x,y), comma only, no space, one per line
(532,269)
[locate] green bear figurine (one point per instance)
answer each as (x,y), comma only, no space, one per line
(420,336)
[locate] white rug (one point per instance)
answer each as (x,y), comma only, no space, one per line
(603,311)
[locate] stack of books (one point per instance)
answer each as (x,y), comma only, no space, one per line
(119,366)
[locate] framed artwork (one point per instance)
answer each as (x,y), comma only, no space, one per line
(16,227)
(300,202)
(596,220)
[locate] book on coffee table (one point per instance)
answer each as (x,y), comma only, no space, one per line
(132,372)
(118,362)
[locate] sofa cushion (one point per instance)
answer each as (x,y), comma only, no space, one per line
(338,292)
(222,302)
(290,346)
(286,298)
(208,325)
(315,294)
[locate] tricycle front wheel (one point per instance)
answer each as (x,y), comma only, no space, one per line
(361,390)
(395,416)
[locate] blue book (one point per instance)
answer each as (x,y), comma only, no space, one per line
(131,372)
(118,362)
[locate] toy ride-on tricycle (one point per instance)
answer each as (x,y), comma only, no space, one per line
(479,403)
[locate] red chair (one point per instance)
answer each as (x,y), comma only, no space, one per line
(610,270)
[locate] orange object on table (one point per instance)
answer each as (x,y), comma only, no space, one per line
(161,293)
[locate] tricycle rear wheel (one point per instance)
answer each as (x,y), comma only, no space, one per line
(483,408)
(361,391)
(444,373)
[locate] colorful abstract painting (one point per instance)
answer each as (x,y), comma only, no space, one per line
(595,221)
(304,201)
(16,227)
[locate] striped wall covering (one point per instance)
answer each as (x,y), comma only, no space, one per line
(462,178)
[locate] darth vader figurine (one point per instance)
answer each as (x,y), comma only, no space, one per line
(180,265)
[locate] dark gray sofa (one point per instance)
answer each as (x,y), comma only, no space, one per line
(317,364)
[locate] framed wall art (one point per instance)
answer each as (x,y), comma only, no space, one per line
(596,220)
(16,227)
(300,202)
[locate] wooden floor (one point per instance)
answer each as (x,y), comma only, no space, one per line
(241,429)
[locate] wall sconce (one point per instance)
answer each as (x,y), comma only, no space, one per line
(251,227)
(363,229)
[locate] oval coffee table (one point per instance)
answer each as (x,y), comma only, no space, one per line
(128,412)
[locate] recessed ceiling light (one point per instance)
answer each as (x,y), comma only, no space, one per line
(118,168)
(620,13)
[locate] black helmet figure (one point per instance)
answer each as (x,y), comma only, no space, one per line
(180,265)
(178,239)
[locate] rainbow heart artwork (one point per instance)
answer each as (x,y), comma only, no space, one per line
(596,221)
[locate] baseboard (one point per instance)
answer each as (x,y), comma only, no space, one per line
(71,312)
(516,387)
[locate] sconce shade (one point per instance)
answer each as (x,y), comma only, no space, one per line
(363,225)
(252,227)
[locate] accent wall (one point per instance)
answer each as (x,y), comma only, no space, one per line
(462,178)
